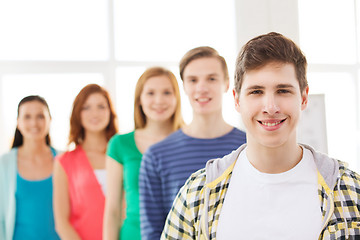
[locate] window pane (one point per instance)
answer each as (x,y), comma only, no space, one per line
(327,31)
(162,30)
(340,104)
(53,30)
(57,92)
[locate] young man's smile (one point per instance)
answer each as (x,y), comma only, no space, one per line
(271,124)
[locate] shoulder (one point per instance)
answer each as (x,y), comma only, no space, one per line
(193,187)
(9,157)
(237,133)
(69,155)
(174,139)
(349,175)
(197,179)
(121,138)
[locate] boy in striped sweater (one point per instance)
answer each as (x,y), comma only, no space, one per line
(167,164)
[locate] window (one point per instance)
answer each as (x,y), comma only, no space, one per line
(54,30)
(328,37)
(54,48)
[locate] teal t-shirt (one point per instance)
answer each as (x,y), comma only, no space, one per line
(122,148)
(34,210)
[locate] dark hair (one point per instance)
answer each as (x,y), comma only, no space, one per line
(202,52)
(268,48)
(77,132)
(18,137)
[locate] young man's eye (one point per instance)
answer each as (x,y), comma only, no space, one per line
(255,92)
(283,91)
(212,79)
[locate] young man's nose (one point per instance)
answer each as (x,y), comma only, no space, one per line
(202,86)
(270,105)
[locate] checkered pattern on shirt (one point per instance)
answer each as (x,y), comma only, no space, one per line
(349,195)
(183,221)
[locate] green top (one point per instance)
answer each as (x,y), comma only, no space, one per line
(122,148)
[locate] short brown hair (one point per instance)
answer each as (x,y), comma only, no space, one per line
(202,52)
(267,48)
(139,115)
(77,131)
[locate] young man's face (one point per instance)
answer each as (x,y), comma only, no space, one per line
(204,83)
(270,104)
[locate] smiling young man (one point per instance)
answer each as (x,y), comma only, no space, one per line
(167,164)
(272,187)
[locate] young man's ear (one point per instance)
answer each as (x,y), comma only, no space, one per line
(236,100)
(304,98)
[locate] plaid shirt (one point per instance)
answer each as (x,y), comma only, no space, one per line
(188,219)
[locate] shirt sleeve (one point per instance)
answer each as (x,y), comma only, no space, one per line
(114,147)
(152,213)
(179,223)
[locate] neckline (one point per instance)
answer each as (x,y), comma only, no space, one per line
(90,168)
(134,141)
(276,177)
(33,180)
(53,152)
(207,139)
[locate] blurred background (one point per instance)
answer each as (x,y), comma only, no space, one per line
(53,48)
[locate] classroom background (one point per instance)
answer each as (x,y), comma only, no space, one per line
(55,47)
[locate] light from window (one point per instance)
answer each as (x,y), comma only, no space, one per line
(53,30)
(327,31)
(163,30)
(340,104)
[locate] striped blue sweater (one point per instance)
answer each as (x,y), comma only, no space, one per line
(165,168)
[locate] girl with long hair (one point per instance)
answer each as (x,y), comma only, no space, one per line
(26,210)
(157,113)
(80,175)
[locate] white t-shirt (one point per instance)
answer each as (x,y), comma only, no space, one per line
(101,177)
(271,206)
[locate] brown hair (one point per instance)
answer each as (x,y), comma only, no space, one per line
(139,115)
(77,132)
(18,137)
(267,48)
(202,52)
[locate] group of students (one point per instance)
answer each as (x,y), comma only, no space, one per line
(169,180)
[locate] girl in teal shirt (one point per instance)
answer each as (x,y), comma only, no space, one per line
(26,176)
